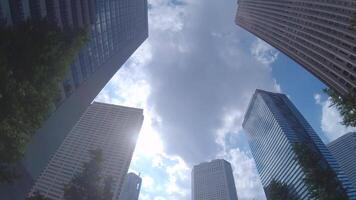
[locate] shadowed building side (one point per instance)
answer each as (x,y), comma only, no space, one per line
(131,188)
(116,29)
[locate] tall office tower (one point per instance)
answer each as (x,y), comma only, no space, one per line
(113,129)
(273,124)
(131,188)
(344,150)
(213,180)
(316,34)
(116,28)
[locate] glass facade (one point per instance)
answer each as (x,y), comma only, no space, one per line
(344,150)
(317,34)
(273,125)
(116,29)
(112,25)
(131,188)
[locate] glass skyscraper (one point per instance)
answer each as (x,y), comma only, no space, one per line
(116,29)
(273,124)
(131,188)
(317,34)
(213,180)
(344,150)
(111,128)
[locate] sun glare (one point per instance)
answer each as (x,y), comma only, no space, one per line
(149,142)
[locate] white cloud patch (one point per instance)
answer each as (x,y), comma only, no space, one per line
(264,52)
(247,181)
(178,176)
(194,79)
(331,120)
(147,182)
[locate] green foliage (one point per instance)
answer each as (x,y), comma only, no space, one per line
(345,105)
(277,191)
(34,58)
(86,185)
(37,196)
(321,180)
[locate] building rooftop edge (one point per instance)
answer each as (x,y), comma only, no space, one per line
(253,98)
(120,106)
(340,138)
(207,162)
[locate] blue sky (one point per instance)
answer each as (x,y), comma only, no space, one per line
(194,77)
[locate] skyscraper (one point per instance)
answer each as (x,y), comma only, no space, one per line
(131,188)
(116,29)
(316,34)
(273,124)
(344,150)
(213,180)
(113,129)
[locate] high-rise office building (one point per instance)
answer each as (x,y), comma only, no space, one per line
(273,124)
(344,150)
(213,180)
(116,29)
(113,129)
(131,188)
(316,34)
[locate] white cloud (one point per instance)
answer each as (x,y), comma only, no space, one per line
(264,52)
(178,174)
(247,181)
(147,183)
(194,80)
(232,122)
(317,98)
(277,87)
(159,198)
(331,120)
(163,17)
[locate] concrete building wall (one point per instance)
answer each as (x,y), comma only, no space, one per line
(213,180)
(110,128)
(316,34)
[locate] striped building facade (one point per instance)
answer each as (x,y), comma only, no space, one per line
(110,128)
(273,125)
(213,180)
(316,34)
(344,150)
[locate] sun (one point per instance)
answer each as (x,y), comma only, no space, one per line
(149,142)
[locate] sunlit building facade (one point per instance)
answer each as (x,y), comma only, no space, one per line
(213,180)
(344,150)
(111,128)
(116,29)
(317,34)
(273,124)
(131,188)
